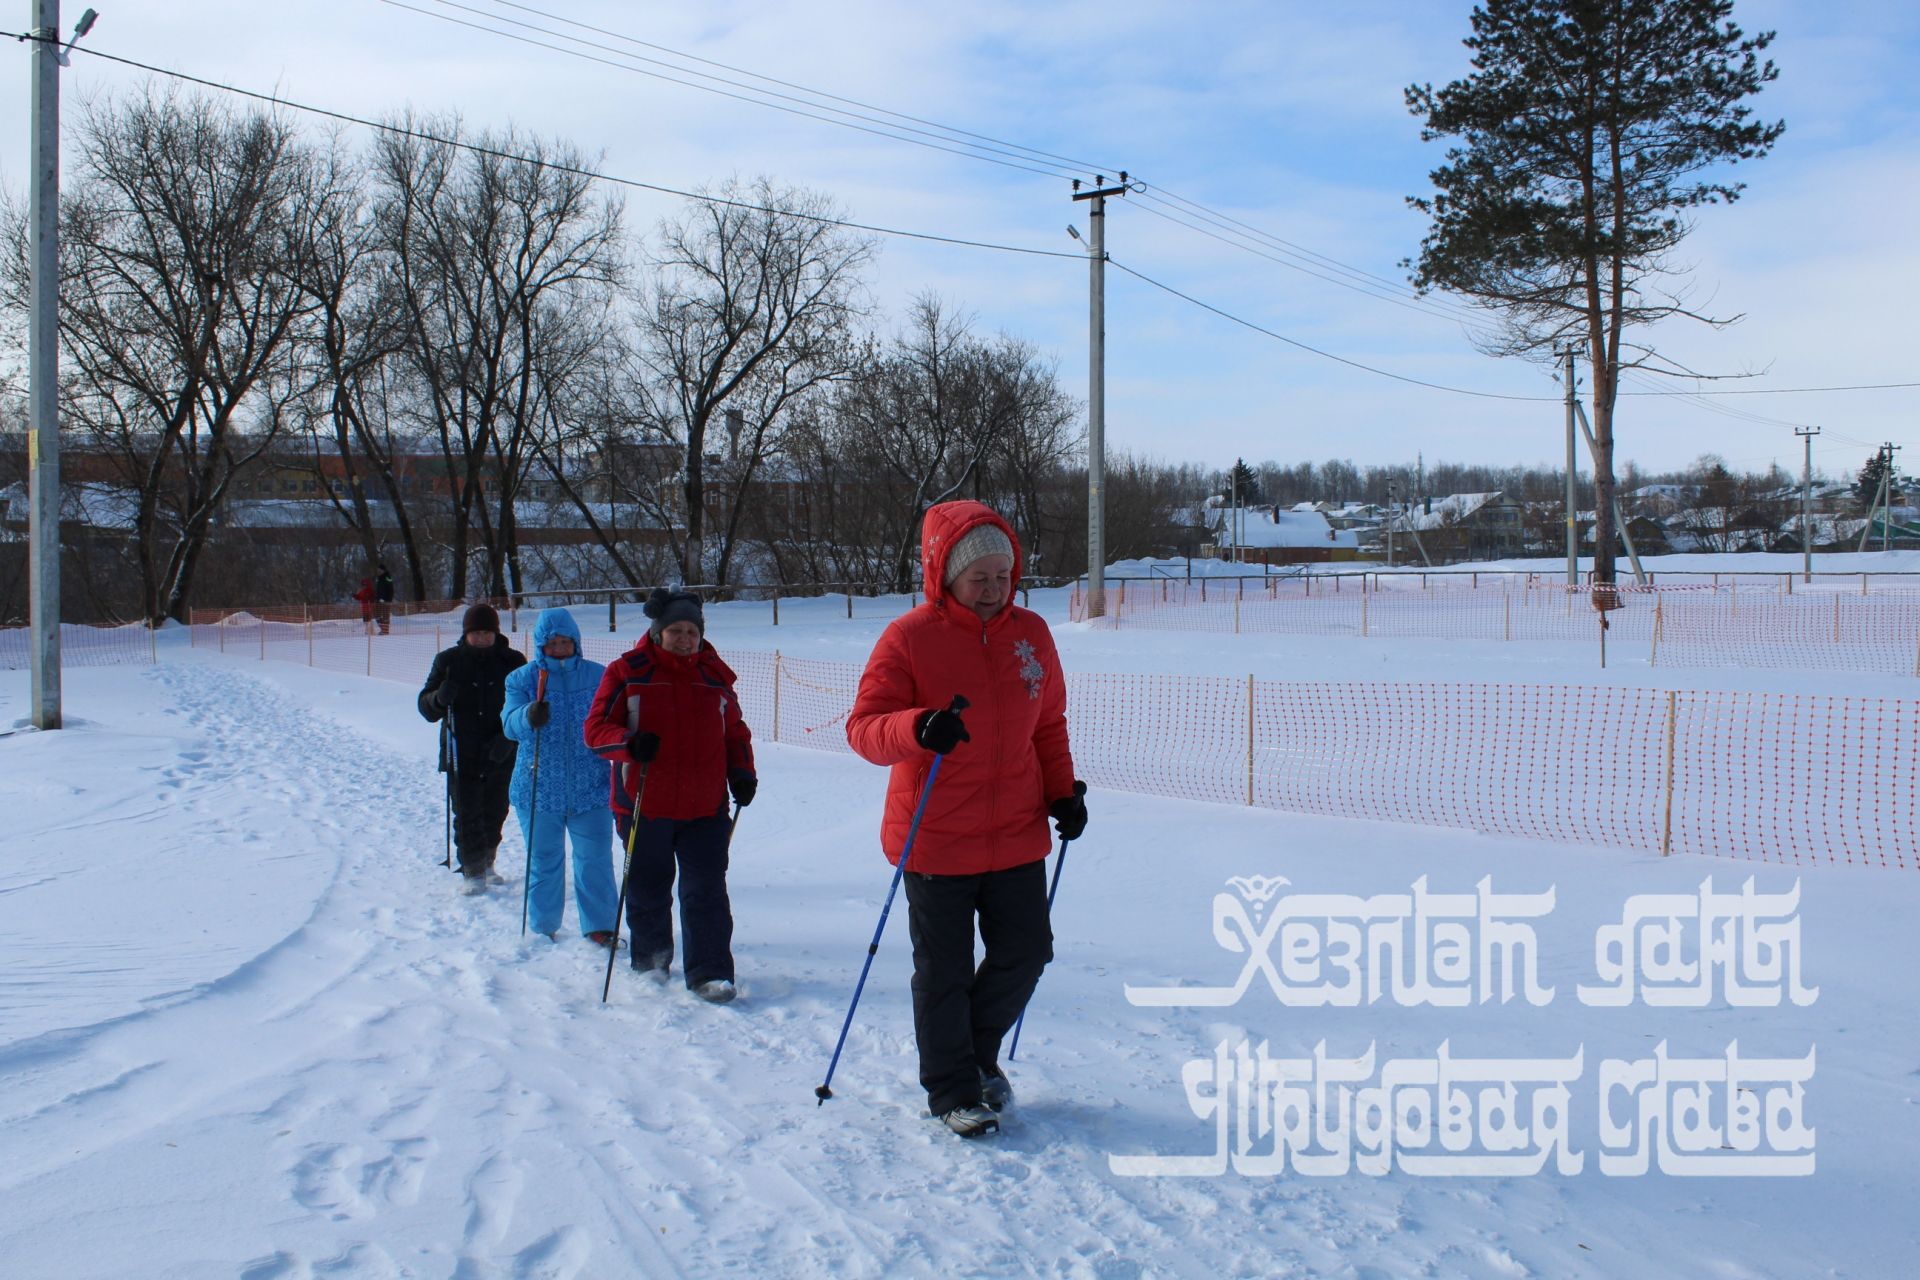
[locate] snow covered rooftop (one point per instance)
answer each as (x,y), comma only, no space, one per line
(1263,527)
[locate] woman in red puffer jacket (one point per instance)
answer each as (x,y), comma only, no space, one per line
(666,710)
(982,843)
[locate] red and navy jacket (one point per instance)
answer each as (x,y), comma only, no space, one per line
(690,702)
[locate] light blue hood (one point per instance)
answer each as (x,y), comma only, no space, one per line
(551,623)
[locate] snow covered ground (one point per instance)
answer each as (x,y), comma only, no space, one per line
(247,1029)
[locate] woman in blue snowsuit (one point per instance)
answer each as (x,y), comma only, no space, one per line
(573,781)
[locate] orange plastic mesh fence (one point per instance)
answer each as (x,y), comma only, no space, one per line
(80,646)
(1778,777)
(1830,631)
(1695,625)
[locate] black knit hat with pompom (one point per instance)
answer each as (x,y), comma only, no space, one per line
(668,607)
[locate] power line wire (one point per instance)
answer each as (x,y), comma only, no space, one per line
(885,132)
(1364,282)
(1783,391)
(1286,245)
(1727,411)
(638,184)
(1085,165)
(1225,239)
(614,179)
(1327,355)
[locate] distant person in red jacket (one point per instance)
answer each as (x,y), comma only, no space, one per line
(667,707)
(982,844)
(365,596)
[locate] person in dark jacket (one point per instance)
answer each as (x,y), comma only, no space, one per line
(466,688)
(666,711)
(383,600)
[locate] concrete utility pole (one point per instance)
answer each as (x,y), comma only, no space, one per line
(1573,526)
(1882,501)
(1097,386)
(1392,514)
(43,362)
(1886,498)
(1619,516)
(1233,511)
(1806,435)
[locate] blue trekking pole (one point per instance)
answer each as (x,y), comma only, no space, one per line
(873,948)
(1079,789)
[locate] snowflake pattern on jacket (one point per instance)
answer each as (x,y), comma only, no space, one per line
(572,778)
(1030,669)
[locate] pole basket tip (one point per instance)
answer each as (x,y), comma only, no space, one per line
(822,1093)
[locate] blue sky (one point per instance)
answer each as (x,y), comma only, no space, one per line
(1287,115)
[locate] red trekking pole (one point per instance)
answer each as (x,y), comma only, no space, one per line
(533,809)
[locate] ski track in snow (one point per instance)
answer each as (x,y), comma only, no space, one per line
(621,1116)
(401,1086)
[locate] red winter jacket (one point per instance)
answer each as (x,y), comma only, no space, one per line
(988,810)
(365,596)
(691,704)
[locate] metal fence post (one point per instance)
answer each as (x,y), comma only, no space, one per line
(1506,603)
(1249,739)
(776,695)
(1363,613)
(1666,815)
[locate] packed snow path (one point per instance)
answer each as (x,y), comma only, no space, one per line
(249,1029)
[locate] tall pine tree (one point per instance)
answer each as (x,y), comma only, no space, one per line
(1588,130)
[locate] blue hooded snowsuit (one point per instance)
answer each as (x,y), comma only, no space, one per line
(572,785)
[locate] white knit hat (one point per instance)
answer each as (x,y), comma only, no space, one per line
(981,541)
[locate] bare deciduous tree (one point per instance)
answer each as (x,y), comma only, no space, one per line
(753,306)
(489,250)
(181,236)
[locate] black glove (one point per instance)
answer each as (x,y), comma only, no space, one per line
(1069,813)
(941,731)
(538,713)
(445,694)
(643,746)
(743,785)
(501,749)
